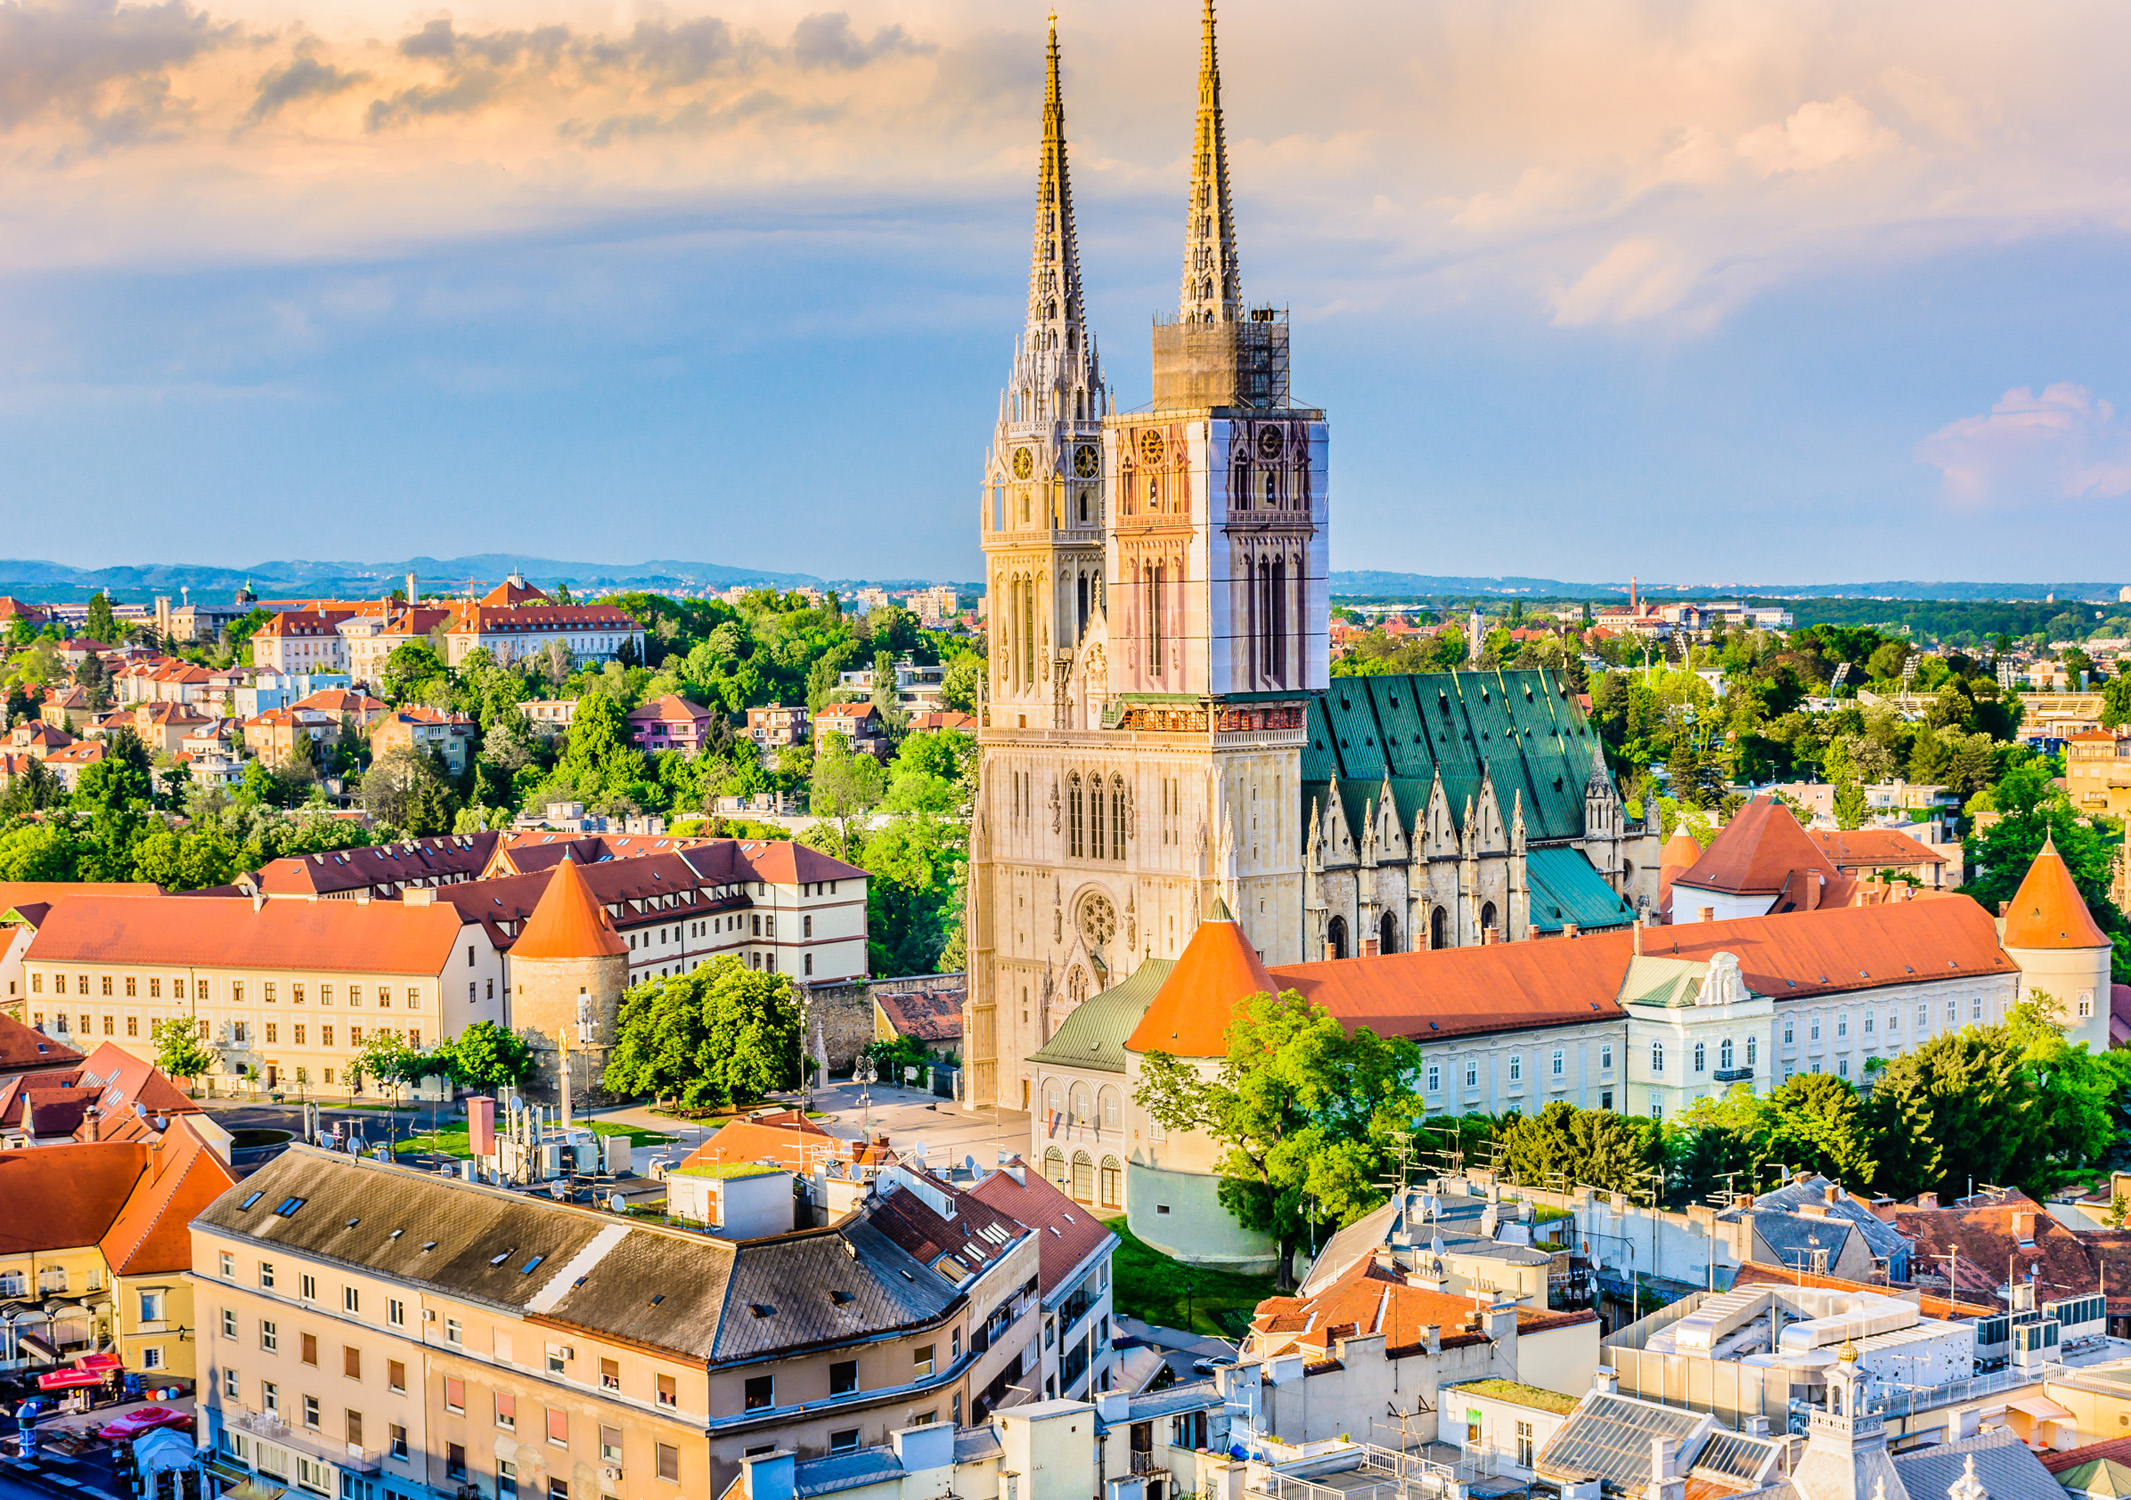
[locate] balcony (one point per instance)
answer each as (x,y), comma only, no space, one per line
(269,1428)
(1733,1075)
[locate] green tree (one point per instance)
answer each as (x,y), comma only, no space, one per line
(847,784)
(1851,809)
(121,779)
(179,1052)
(713,1036)
(101,625)
(963,681)
(2116,702)
(491,1056)
(410,672)
(1304,1113)
(1591,1146)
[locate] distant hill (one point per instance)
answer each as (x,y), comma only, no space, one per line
(1368,584)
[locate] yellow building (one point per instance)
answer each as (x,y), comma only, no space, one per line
(95,1247)
(2097,772)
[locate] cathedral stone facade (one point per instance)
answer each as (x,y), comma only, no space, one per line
(1160,729)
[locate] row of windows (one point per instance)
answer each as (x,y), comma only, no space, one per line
(1095,822)
(1725,1055)
(269,989)
(1084,1181)
(1556,1065)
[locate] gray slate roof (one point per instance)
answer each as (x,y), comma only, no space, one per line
(704,1298)
(2004,1464)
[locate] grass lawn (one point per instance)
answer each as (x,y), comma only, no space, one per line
(455,1143)
(1155,1288)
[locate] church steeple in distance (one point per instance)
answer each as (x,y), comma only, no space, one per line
(1213,279)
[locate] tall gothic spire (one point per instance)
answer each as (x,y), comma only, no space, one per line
(1054,257)
(1213,280)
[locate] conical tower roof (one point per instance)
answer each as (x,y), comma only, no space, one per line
(2048,911)
(568,922)
(1217,971)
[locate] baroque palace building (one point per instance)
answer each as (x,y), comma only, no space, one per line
(1160,728)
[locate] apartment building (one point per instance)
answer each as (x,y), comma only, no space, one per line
(1075,1356)
(94,1249)
(778,725)
(276,984)
(273,736)
(302,640)
(372,637)
(515,621)
(368,1330)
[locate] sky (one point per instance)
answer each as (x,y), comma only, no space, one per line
(1704,292)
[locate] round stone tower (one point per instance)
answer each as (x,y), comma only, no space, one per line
(2047,930)
(568,970)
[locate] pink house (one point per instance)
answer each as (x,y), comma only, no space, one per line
(670,723)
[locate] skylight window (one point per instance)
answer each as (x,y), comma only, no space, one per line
(247,1203)
(527,1268)
(429,1244)
(395,1234)
(287,1207)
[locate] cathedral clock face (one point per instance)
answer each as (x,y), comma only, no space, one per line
(1024,463)
(1087,461)
(1150,446)
(1268,443)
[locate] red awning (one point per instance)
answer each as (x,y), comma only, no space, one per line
(63,1379)
(101,1363)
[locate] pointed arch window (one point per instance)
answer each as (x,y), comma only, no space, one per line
(1117,817)
(1096,841)
(1073,823)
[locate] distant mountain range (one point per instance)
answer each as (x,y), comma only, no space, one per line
(30,579)
(1422,585)
(50,581)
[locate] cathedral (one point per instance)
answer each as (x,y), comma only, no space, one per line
(1160,730)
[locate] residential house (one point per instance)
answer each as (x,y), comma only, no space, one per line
(357,712)
(374,1326)
(1761,862)
(1866,853)
(2097,772)
(1982,1247)
(427,730)
(670,722)
(38,739)
(372,636)
(275,984)
(268,689)
(164,726)
(69,761)
(272,736)
(943,719)
(858,723)
(778,724)
(550,716)
(94,1250)
(69,708)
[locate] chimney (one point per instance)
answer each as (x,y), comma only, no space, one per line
(1492,935)
(2004,908)
(1666,1481)
(412,595)
(1607,1380)
(2024,1228)
(1831,1193)
(1963,1422)
(1706,914)
(1927,1200)
(1638,934)
(92,1123)
(1568,931)
(258,898)
(1368,947)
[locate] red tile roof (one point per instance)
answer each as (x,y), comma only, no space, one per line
(2057,1461)
(2048,911)
(512,591)
(543,618)
(784,862)
(1450,992)
(1988,1235)
(790,1140)
(118,1080)
(1217,970)
(153,1233)
(25,1050)
(912,1223)
(379,937)
(1871,848)
(15,894)
(342,701)
(1363,1300)
(670,707)
(569,922)
(931,1016)
(68,1196)
(1756,853)
(1067,1232)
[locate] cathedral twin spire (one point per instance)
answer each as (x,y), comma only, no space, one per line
(1054,256)
(1213,280)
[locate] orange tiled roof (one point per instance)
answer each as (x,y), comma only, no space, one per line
(1757,852)
(1858,847)
(2048,911)
(671,707)
(388,937)
(22,1048)
(66,1196)
(1217,970)
(1067,1233)
(568,922)
(789,1139)
(153,1232)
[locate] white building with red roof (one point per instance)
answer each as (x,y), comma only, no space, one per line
(515,621)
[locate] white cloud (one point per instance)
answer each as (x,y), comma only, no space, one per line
(1818,135)
(2064,444)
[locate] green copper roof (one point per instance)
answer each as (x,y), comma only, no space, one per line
(1524,726)
(1093,1037)
(1675,983)
(1566,889)
(2102,1476)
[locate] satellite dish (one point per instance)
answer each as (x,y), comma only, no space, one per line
(618,1203)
